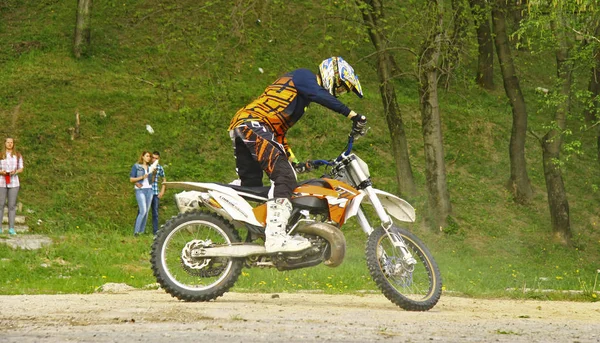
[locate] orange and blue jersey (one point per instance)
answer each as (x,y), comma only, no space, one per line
(284,101)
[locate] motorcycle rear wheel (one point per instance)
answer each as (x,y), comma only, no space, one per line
(192,278)
(416,290)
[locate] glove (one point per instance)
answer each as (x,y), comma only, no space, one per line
(291,157)
(302,167)
(359,125)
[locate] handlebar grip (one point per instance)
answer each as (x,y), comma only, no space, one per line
(303,167)
(359,126)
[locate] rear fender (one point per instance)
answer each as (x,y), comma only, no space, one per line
(231,203)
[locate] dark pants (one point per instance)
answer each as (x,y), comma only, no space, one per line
(154,206)
(11,195)
(256,150)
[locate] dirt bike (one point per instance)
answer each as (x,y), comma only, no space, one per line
(199,254)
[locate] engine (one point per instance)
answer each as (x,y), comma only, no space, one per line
(328,247)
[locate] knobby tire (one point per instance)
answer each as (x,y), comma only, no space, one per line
(421,254)
(161,271)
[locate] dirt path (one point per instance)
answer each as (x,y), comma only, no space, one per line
(153,316)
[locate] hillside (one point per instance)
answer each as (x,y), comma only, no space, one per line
(185,67)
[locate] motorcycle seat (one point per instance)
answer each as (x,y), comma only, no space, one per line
(315,182)
(262,192)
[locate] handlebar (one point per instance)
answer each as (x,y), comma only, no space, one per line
(357,131)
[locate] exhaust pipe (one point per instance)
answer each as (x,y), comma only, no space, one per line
(334,236)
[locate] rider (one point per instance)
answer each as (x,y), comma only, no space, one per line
(259,142)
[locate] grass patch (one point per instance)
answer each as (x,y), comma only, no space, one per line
(185,69)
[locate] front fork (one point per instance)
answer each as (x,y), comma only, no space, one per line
(386,224)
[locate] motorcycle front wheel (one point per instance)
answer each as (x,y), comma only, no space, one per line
(411,286)
(182,273)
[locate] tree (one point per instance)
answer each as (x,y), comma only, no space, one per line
(372,12)
(435,167)
(485,61)
(552,141)
(427,21)
(517,10)
(554,23)
(518,183)
(591,112)
(82,37)
(454,50)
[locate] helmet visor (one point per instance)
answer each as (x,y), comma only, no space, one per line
(348,78)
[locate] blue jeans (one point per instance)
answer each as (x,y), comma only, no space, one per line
(144,198)
(155,202)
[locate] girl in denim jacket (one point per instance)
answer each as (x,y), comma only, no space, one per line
(140,175)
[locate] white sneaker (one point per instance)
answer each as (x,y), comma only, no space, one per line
(285,243)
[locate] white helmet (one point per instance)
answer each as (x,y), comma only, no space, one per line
(338,77)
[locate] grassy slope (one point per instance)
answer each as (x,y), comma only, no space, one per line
(184,69)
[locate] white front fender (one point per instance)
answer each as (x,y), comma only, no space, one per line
(396,207)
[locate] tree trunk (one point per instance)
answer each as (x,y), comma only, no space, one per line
(371,16)
(552,143)
(519,183)
(591,113)
(452,58)
(557,198)
(485,60)
(435,167)
(81,40)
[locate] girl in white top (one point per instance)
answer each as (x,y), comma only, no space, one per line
(11,164)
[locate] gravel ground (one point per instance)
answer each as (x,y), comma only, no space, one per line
(154,316)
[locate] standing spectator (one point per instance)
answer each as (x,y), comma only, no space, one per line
(141,174)
(11,164)
(156,194)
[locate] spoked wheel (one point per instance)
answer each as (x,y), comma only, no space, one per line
(176,263)
(413,284)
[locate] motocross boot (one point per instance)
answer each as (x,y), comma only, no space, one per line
(276,239)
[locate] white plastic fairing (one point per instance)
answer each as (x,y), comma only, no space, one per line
(187,200)
(200,186)
(236,207)
(363,166)
(396,207)
(233,204)
(353,206)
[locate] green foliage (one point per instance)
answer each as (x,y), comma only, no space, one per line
(185,67)
(577,22)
